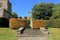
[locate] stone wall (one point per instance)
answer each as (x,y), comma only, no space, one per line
(5,9)
(1,12)
(7,14)
(9,7)
(5,4)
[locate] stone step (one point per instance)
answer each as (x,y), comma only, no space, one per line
(31,33)
(33,38)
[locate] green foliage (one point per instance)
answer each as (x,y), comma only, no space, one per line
(27,23)
(54,23)
(14,14)
(55,18)
(42,10)
(56,12)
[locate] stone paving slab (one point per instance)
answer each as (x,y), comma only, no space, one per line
(33,38)
(32,34)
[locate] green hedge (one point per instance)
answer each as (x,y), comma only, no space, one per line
(27,23)
(53,23)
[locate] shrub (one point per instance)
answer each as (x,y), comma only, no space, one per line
(54,23)
(27,23)
(16,23)
(39,23)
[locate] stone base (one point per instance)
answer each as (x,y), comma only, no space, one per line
(33,38)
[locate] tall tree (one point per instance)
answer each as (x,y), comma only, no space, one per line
(42,10)
(56,11)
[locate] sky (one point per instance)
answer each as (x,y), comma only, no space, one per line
(23,7)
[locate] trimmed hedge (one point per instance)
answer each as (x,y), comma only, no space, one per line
(16,23)
(53,23)
(39,23)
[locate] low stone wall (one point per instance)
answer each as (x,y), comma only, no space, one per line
(16,23)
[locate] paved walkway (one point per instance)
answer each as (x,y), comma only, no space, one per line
(32,34)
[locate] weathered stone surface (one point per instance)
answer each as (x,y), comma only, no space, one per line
(1,12)
(33,38)
(5,9)
(5,4)
(32,34)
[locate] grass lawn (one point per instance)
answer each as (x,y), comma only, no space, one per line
(54,33)
(7,34)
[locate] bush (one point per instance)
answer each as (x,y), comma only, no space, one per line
(16,23)
(39,23)
(27,23)
(54,23)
